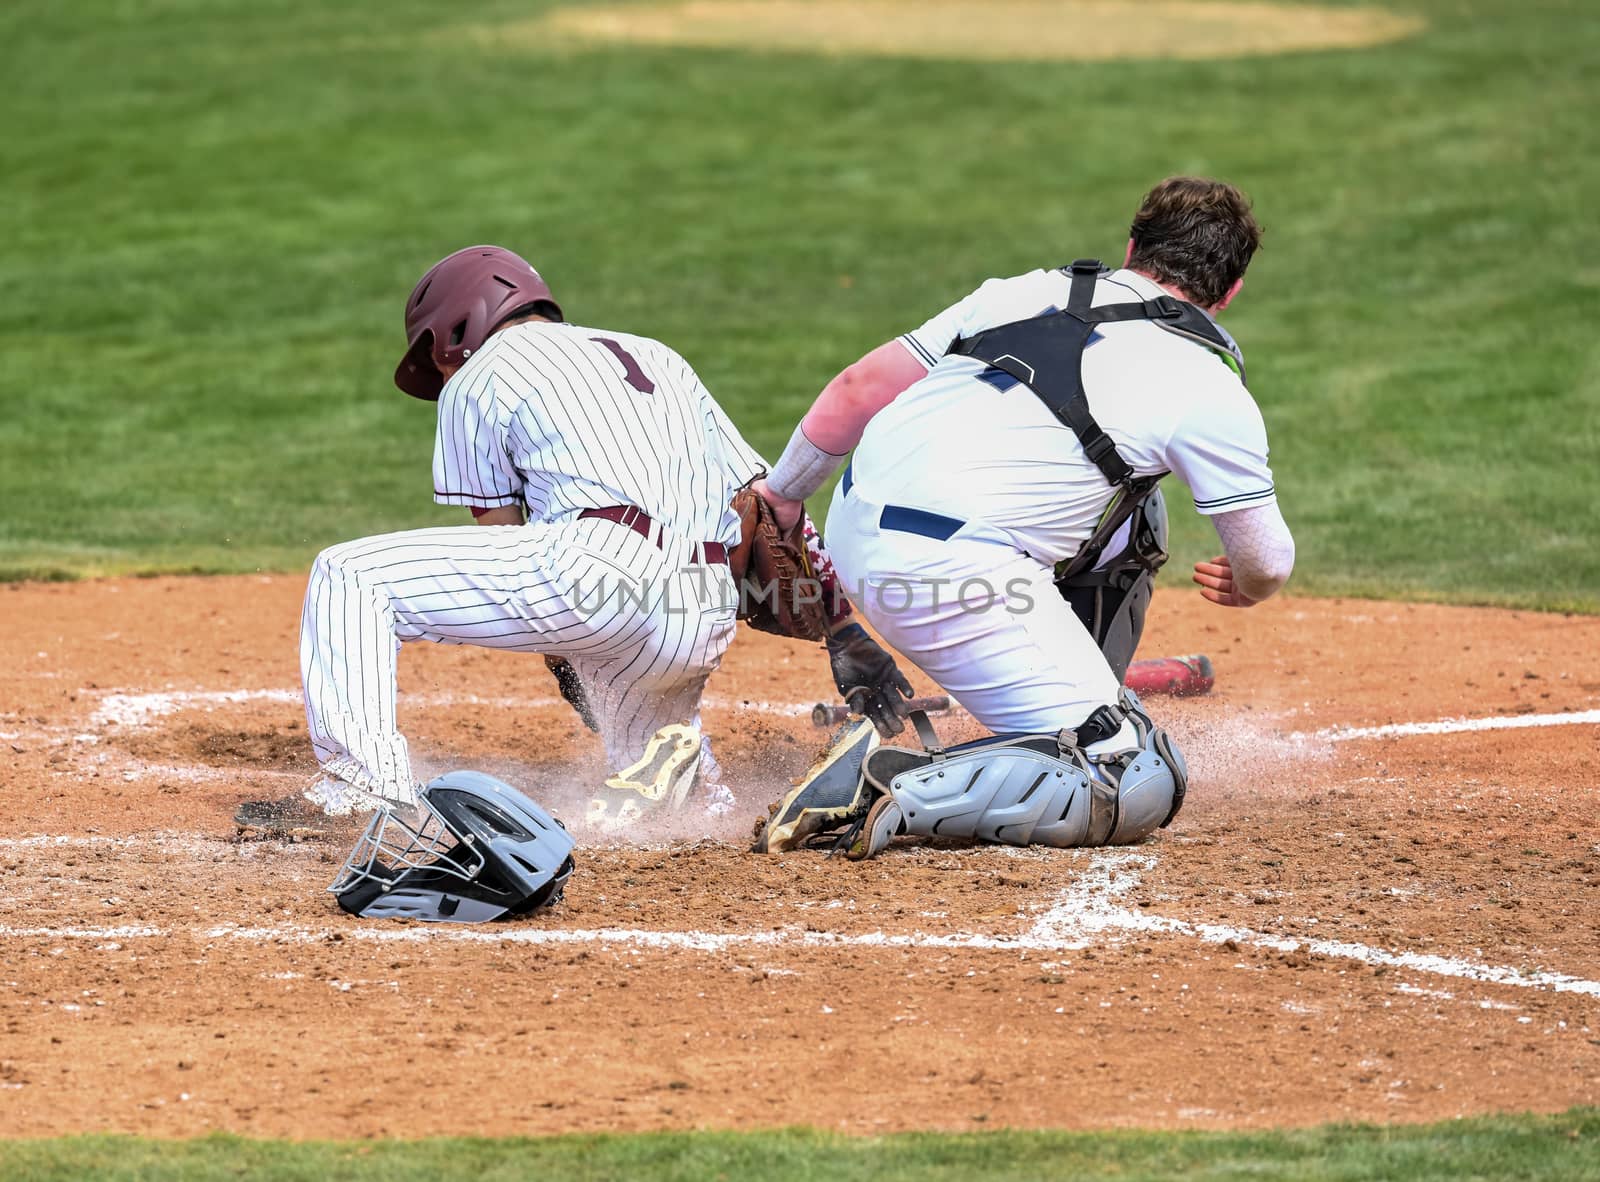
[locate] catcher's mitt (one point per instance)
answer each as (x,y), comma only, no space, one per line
(778,590)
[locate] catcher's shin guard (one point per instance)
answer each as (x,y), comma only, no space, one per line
(1026,790)
(658,782)
(831,794)
(1153,739)
(883,823)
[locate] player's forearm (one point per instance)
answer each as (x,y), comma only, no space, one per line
(834,424)
(1259,547)
(499,515)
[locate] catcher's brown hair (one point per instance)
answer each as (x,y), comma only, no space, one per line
(1195,234)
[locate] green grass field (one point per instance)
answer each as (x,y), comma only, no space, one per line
(1564,1148)
(215,209)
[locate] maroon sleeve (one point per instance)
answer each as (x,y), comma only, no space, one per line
(834,601)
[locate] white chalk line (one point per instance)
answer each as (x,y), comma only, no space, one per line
(131,709)
(1082,916)
(1087,914)
(139,709)
(188,844)
(1456,726)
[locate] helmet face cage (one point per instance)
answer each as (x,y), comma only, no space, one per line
(390,845)
(473,849)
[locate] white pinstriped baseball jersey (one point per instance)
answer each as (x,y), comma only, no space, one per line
(562,418)
(558,418)
(972,443)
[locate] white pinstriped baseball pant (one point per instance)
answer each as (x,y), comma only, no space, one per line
(644,627)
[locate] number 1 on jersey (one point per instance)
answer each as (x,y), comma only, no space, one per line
(630,367)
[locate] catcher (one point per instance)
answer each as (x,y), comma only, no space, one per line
(601,475)
(1000,521)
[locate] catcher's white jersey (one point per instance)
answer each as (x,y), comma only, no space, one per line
(966,490)
(558,418)
(973,443)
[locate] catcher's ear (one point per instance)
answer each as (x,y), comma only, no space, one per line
(1229,298)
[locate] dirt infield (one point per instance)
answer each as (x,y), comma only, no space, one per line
(1391,923)
(988,30)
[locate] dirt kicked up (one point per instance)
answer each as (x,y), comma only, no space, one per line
(1381,902)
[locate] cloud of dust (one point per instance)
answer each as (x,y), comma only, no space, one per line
(1232,753)
(1239,753)
(722,809)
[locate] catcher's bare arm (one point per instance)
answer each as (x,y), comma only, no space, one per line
(833,425)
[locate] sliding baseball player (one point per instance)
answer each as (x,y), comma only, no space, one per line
(600,473)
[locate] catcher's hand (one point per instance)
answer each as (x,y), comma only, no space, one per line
(870,681)
(572,689)
(1215,579)
(778,590)
(788,513)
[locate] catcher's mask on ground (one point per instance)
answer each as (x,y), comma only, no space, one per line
(454,307)
(476,849)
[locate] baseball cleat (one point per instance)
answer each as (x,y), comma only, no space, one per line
(658,782)
(831,793)
(321,809)
(291,818)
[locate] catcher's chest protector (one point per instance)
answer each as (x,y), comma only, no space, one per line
(1045,353)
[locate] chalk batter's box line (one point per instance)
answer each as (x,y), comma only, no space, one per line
(1084,915)
(137,709)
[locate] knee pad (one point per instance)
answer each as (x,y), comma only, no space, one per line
(1157,761)
(1012,791)
(1150,788)
(1035,789)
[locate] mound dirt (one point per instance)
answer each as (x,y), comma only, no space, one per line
(994,30)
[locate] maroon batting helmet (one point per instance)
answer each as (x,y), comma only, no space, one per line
(456,305)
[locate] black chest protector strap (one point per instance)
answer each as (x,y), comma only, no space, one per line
(1045,353)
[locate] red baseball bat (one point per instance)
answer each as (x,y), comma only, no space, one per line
(1182,677)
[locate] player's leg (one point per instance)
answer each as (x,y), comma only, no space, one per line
(533,588)
(1072,763)
(646,699)
(1111,600)
(982,620)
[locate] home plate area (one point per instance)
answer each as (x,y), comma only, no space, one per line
(1380,901)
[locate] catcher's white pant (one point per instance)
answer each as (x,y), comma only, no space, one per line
(983,620)
(643,626)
